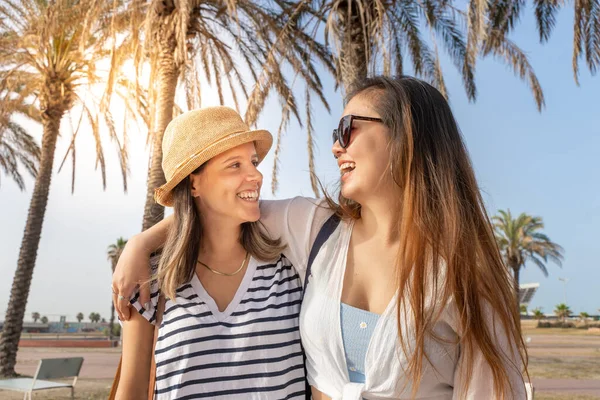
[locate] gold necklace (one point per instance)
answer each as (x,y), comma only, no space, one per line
(214,271)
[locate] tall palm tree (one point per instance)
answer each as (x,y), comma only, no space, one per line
(49,51)
(114,252)
(17,146)
(521,240)
(562,311)
(377,35)
(222,39)
(374,36)
(79,317)
(371,35)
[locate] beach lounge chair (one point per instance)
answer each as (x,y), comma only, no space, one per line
(48,368)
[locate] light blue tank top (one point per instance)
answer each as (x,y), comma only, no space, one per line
(357,329)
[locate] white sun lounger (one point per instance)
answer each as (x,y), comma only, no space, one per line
(49,368)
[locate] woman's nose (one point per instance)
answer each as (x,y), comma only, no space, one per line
(254,175)
(337,150)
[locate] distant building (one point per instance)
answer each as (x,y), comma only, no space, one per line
(32,327)
(62,327)
(526,292)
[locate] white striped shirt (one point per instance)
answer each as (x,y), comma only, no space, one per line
(251,350)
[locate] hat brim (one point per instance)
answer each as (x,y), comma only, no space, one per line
(263,140)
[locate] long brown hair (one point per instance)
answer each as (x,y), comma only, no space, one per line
(180,252)
(447,247)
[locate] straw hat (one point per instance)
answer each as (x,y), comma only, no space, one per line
(196,136)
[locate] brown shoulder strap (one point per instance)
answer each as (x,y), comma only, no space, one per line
(160,308)
(113,389)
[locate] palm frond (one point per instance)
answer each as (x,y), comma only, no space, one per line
(519,62)
(285,118)
(17,149)
(592,35)
(310,146)
(545,17)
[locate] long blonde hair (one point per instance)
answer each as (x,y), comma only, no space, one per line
(445,235)
(180,253)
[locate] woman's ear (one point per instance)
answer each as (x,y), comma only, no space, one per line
(195,184)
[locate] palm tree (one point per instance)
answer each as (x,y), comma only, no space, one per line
(562,311)
(44,320)
(523,309)
(583,316)
(94,317)
(49,52)
(17,146)
(538,314)
(375,35)
(370,35)
(35,316)
(521,240)
(79,317)
(182,38)
(113,253)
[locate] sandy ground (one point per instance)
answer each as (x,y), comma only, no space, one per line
(563,366)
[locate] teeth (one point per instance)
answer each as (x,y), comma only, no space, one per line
(347,167)
(249,195)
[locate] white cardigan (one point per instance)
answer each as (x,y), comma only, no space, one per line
(297,222)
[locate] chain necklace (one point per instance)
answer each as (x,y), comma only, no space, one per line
(214,271)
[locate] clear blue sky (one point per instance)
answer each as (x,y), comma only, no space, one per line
(545,164)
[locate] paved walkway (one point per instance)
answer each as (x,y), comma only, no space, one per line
(102,363)
(575,386)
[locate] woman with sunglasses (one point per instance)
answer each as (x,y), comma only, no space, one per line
(408,296)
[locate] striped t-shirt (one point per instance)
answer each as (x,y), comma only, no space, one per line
(251,350)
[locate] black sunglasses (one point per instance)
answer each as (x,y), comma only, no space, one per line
(344,129)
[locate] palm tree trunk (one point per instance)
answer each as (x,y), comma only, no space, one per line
(516,272)
(112,322)
(112,312)
(168,73)
(13,322)
(353,60)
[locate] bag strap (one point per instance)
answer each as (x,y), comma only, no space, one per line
(115,385)
(326,230)
(160,309)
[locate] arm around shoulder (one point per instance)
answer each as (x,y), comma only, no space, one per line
(296,222)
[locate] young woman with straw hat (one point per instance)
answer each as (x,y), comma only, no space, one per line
(230,320)
(408,297)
